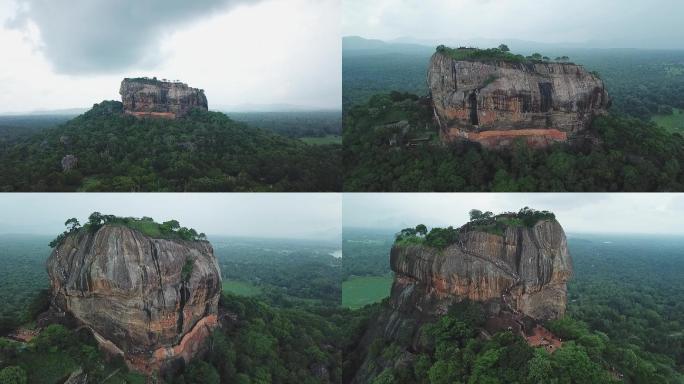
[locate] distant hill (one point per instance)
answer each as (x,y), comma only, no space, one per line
(105,150)
(356,45)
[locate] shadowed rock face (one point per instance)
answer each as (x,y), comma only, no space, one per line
(154,98)
(495,103)
(129,290)
(525,270)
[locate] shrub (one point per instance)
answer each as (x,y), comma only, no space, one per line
(13,375)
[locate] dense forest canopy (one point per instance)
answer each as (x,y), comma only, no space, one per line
(16,127)
(294,124)
(281,272)
(205,151)
(632,155)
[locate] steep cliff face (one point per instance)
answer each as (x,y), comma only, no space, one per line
(152,300)
(154,98)
(496,102)
(525,270)
(519,278)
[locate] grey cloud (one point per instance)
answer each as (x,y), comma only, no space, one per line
(605,23)
(90,36)
(654,213)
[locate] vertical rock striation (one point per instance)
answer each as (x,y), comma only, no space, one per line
(524,270)
(496,102)
(131,291)
(518,277)
(145,97)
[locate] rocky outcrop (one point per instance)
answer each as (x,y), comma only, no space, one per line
(517,276)
(525,270)
(496,102)
(69,162)
(152,300)
(145,97)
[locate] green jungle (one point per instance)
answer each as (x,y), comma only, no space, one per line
(204,151)
(640,141)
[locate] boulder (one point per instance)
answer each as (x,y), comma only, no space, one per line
(69,162)
(154,301)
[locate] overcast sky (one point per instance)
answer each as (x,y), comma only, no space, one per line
(280,215)
(73,53)
(649,213)
(613,23)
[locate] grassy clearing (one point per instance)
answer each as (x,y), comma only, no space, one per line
(240,288)
(325,140)
(359,291)
(672,123)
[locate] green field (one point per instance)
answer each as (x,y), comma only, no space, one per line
(673,123)
(240,288)
(329,139)
(359,291)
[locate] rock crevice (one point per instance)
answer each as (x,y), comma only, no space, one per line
(497,102)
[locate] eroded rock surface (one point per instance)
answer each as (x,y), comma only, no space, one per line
(525,270)
(519,278)
(163,99)
(69,162)
(131,291)
(497,102)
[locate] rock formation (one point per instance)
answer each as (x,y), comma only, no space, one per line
(69,162)
(518,277)
(145,97)
(152,300)
(525,270)
(496,102)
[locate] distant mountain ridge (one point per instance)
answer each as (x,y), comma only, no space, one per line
(409,45)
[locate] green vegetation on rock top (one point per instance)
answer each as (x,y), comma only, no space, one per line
(152,80)
(146,225)
(480,221)
(502,53)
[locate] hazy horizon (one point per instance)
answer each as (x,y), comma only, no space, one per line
(653,24)
(578,213)
(483,43)
(71,54)
(300,216)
